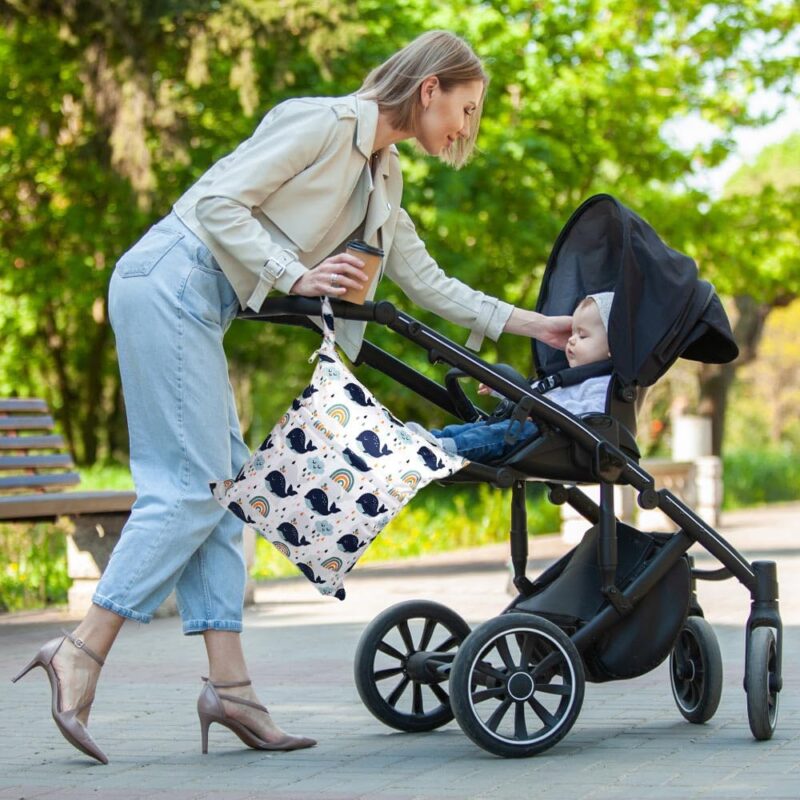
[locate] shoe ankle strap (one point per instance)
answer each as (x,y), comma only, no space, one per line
(81,645)
(225,684)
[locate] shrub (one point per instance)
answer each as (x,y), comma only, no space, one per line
(762,476)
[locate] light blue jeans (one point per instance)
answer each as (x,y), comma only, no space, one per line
(170,305)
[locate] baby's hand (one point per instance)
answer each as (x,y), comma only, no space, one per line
(484,389)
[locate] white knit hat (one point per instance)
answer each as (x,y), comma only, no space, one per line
(603,300)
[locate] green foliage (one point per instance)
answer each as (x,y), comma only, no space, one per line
(438,519)
(33,566)
(109,111)
(755,477)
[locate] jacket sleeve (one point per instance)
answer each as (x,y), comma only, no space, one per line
(290,138)
(411,267)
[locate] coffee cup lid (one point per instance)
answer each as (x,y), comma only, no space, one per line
(363,247)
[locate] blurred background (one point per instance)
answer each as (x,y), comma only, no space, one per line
(686,111)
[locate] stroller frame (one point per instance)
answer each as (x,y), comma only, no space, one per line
(609,465)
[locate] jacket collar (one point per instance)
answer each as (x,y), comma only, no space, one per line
(366,128)
(366,124)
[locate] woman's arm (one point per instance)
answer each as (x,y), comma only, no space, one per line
(426,284)
(552,331)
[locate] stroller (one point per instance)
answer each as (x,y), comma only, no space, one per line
(623,600)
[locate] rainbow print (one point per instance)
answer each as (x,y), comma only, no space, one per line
(343,478)
(340,413)
(283,420)
(333,564)
(260,504)
(399,494)
(281,548)
(411,478)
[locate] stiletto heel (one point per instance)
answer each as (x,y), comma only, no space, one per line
(205,722)
(210,709)
(34,663)
(72,729)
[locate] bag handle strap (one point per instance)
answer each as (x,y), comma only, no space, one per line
(328,333)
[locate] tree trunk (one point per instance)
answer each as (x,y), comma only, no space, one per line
(717,379)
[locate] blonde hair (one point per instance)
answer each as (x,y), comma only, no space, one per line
(395,84)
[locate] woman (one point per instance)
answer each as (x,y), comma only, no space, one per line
(274,214)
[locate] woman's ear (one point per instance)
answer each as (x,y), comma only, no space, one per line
(427,89)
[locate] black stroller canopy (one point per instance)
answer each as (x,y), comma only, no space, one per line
(661,309)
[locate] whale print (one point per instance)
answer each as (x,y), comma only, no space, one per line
(267,443)
(317,501)
(429,457)
(239,511)
(297,441)
(355,460)
(357,395)
(277,484)
(350,543)
(290,534)
(309,573)
(368,504)
(309,390)
(371,444)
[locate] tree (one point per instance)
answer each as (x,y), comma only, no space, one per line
(124,104)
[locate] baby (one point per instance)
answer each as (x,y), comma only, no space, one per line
(484,440)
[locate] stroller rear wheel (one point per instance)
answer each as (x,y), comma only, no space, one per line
(760,682)
(517,685)
(695,671)
(403,661)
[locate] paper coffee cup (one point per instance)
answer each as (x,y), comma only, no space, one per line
(371,256)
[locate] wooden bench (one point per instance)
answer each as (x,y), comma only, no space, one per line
(35,468)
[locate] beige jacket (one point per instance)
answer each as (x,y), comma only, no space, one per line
(298,189)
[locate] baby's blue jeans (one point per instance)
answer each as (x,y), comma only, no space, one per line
(170,305)
(478,441)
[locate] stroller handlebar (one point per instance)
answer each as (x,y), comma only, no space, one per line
(382,312)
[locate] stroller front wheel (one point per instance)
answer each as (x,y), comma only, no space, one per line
(403,661)
(761,683)
(695,671)
(517,685)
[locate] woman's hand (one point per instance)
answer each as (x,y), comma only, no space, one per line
(331,277)
(552,331)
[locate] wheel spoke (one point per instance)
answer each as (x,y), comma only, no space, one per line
(427,633)
(386,648)
(486,669)
(520,729)
(416,704)
(383,674)
(501,645)
(548,662)
(497,716)
(553,688)
(441,694)
(541,712)
(405,632)
(397,693)
(488,694)
(447,644)
(526,650)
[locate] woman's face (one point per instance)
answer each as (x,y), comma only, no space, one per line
(446,116)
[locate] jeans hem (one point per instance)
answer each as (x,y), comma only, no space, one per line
(195,626)
(110,605)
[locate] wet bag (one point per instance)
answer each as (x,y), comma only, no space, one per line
(332,473)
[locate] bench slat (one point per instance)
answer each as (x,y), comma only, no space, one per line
(16,423)
(39,481)
(50,506)
(36,462)
(22,405)
(51,442)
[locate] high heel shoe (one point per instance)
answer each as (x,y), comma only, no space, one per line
(72,729)
(210,709)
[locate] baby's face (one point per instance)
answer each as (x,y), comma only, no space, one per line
(589,341)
